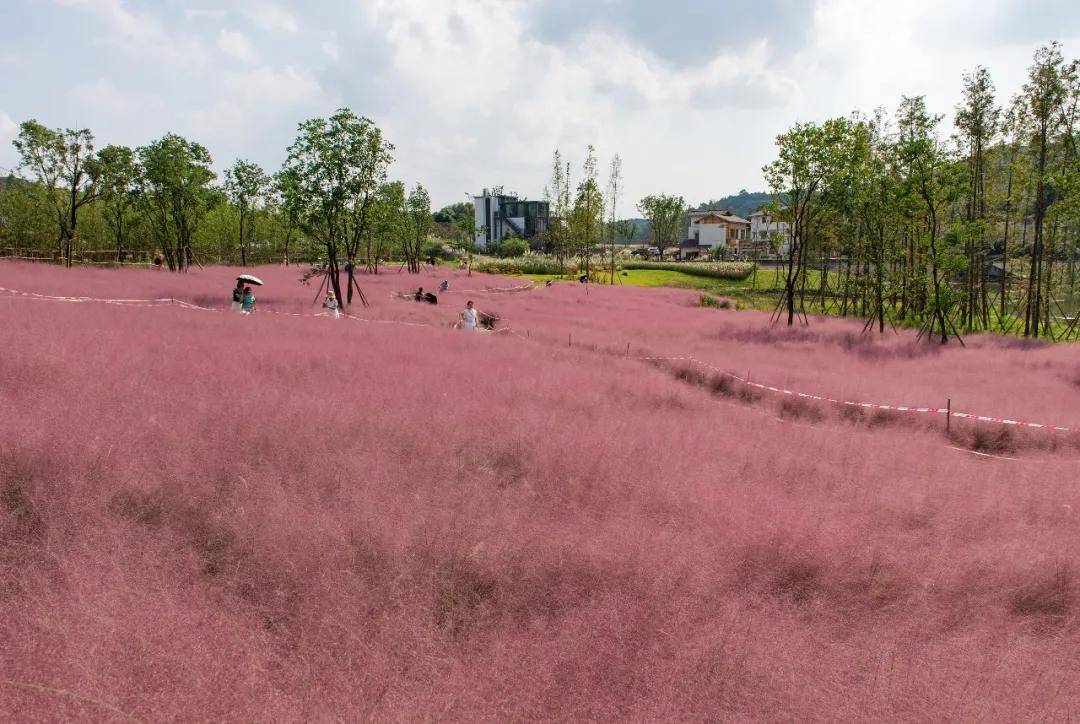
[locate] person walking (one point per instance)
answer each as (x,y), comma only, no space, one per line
(247,306)
(238,296)
(330,304)
(468,317)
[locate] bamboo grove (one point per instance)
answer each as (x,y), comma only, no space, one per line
(900,220)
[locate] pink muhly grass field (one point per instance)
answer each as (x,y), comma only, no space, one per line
(216,517)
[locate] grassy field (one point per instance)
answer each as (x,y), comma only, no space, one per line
(760,293)
(586,515)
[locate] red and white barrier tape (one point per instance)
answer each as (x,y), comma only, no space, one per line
(870,405)
(691,360)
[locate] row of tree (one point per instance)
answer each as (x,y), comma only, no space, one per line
(583,219)
(974,230)
(331,199)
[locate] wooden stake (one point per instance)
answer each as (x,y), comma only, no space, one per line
(948,415)
(628,350)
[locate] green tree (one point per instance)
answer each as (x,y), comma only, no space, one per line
(1038,110)
(64,165)
(388,225)
(175,194)
(27,226)
(451,213)
(666,215)
(246,185)
(513,246)
(417,215)
(558,237)
(977,123)
(934,181)
(614,191)
(117,196)
(335,168)
(586,217)
(810,158)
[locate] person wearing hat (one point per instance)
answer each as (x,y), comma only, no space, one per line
(330,304)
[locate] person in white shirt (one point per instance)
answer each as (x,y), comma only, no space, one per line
(468,317)
(330,304)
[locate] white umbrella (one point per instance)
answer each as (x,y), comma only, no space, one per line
(249,279)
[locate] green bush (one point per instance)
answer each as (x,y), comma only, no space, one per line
(437,248)
(720,252)
(513,247)
(708,300)
(735,270)
(524,265)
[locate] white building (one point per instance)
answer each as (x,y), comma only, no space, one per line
(497,216)
(710,229)
(764,228)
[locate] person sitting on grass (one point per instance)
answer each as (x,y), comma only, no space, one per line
(330,304)
(247,306)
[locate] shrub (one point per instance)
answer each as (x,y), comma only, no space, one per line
(436,248)
(733,270)
(708,300)
(796,408)
(512,247)
(524,265)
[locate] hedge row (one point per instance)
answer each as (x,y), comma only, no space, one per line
(524,265)
(736,270)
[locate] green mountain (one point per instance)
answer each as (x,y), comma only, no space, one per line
(743,203)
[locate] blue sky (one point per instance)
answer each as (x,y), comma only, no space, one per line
(478,93)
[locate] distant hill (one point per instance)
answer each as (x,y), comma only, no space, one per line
(743,203)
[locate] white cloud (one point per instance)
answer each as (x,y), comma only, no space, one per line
(141,34)
(196,14)
(236,44)
(330,49)
(248,102)
(8,130)
(276,87)
(273,18)
(479,92)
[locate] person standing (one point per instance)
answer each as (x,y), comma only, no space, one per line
(468,317)
(247,306)
(238,296)
(330,304)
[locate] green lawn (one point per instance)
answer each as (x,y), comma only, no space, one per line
(756,294)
